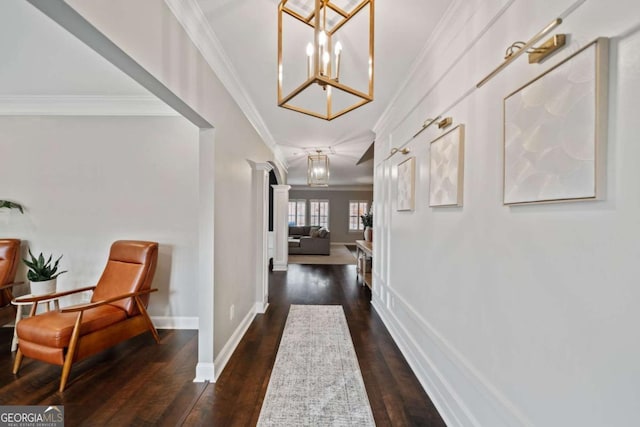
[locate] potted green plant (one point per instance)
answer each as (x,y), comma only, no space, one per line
(367,222)
(42,274)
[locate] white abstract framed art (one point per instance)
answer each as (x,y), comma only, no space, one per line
(446,169)
(555,132)
(406,184)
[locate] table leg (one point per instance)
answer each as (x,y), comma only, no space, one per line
(359,272)
(14,341)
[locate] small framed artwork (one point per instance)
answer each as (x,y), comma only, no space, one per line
(555,131)
(446,169)
(406,184)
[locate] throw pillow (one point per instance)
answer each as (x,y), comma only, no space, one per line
(323,232)
(315,233)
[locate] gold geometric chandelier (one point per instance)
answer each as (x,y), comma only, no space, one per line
(319,75)
(318,170)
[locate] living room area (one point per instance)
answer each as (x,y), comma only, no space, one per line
(324,224)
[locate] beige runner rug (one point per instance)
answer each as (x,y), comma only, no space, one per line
(316,379)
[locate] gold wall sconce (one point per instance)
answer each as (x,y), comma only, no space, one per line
(426,124)
(542,52)
(518,48)
(444,123)
(394,150)
(400,150)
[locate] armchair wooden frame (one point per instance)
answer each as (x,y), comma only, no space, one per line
(117,312)
(85,346)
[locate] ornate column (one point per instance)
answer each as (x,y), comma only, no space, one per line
(261,220)
(281,226)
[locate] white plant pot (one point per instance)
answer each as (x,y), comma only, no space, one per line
(368,234)
(43,288)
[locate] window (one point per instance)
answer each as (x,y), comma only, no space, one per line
(297,212)
(319,212)
(357,208)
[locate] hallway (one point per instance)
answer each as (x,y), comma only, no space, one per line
(140,383)
(396,397)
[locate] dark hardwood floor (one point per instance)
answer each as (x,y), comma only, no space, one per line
(139,383)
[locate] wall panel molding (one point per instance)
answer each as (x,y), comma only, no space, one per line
(438,366)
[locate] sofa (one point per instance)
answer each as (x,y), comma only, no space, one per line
(309,240)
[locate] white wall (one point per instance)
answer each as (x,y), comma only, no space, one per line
(180,72)
(88,181)
(514,315)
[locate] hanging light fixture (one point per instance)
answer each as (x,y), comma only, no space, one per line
(318,82)
(318,170)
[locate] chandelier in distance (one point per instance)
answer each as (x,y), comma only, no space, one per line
(318,169)
(323,86)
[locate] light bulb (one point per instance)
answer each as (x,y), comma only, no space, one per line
(338,52)
(309,59)
(325,61)
(322,38)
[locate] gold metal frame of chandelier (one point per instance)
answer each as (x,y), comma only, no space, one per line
(312,159)
(318,78)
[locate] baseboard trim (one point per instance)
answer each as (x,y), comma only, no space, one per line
(443,367)
(205,372)
(280,267)
(168,322)
(442,401)
(225,354)
(261,308)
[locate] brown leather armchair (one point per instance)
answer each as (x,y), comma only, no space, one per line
(9,260)
(117,312)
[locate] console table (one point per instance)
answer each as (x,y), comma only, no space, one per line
(364,251)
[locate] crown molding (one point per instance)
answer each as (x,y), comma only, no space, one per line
(82,105)
(190,16)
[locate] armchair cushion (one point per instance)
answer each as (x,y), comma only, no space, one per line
(130,268)
(53,329)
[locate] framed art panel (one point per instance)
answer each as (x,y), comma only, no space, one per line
(406,184)
(555,132)
(446,169)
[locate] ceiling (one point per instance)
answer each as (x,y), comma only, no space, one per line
(42,59)
(247,31)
